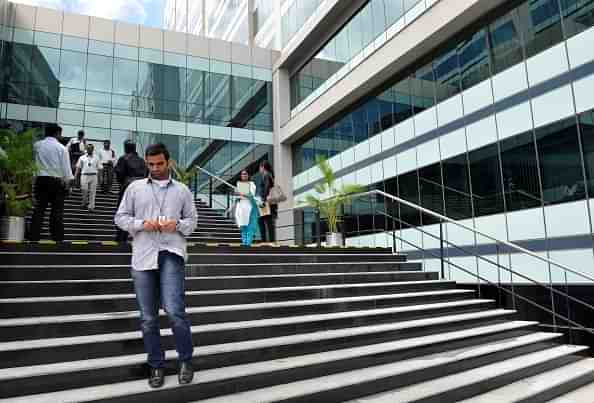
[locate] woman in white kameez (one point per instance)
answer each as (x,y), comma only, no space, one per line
(244,210)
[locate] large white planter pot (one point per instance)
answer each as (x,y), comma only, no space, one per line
(12,228)
(333,239)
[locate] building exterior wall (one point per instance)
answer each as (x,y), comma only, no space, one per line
(491,125)
(210,101)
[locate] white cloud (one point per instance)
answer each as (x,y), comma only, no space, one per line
(125,10)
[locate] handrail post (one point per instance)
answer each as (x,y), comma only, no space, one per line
(303,228)
(318,228)
(441,249)
(210,192)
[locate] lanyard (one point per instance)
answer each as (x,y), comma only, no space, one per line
(162,203)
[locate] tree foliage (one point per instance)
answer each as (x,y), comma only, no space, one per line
(183,175)
(17,169)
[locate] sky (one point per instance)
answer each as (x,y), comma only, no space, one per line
(146,12)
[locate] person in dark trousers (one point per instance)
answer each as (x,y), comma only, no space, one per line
(128,168)
(159,213)
(266,183)
(108,159)
(51,185)
(77,147)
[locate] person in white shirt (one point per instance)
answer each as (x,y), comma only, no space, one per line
(52,182)
(107,157)
(76,147)
(88,167)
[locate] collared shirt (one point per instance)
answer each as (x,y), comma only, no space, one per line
(146,200)
(52,159)
(88,164)
(106,156)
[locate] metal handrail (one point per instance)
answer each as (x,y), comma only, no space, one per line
(444,218)
(223,181)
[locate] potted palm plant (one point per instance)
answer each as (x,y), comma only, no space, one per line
(330,200)
(185,176)
(17,169)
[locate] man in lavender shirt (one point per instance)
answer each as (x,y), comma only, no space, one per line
(159,213)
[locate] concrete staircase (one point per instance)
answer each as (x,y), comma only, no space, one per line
(271,324)
(80,225)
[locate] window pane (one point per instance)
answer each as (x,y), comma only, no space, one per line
(578,15)
(447,75)
(403,105)
(505,41)
(72,69)
(541,25)
(587,134)
(457,188)
(520,172)
(485,174)
(560,162)
(99,73)
(408,189)
(474,59)
(430,191)
(423,89)
(125,76)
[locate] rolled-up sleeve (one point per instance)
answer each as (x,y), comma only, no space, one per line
(124,217)
(65,163)
(189,217)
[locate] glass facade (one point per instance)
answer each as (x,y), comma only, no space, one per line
(208,112)
(503,42)
(349,42)
(295,16)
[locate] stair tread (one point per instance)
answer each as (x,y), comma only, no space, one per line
(218,308)
(402,344)
(580,395)
(263,276)
(293,320)
(465,378)
(528,387)
(300,388)
(222,291)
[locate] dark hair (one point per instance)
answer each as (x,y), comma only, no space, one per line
(106,141)
(157,149)
(53,130)
(81,132)
(266,165)
(129,147)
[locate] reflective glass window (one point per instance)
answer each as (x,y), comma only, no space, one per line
(456,181)
(540,24)
(394,10)
(447,75)
(560,162)
(125,76)
(506,43)
(474,59)
(430,191)
(578,15)
(99,73)
(485,175)
(423,89)
(520,172)
(73,69)
(408,189)
(586,122)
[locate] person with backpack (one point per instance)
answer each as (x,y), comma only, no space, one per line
(107,157)
(129,168)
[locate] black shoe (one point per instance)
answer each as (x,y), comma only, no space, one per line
(156,377)
(186,373)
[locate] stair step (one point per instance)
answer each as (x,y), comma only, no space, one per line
(468,383)
(63,287)
(307,387)
(56,349)
(79,324)
(65,305)
(545,386)
(582,394)
(53,377)
(78,272)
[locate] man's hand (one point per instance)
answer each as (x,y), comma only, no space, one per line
(168,226)
(150,225)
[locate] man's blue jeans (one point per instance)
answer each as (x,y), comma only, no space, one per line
(163,287)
